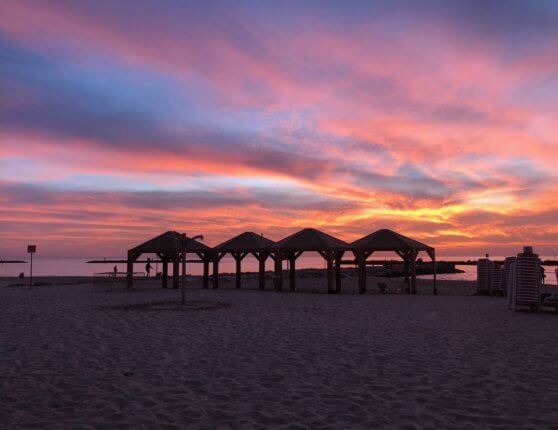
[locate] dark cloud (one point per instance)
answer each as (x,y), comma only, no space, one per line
(74,112)
(14,195)
(522,23)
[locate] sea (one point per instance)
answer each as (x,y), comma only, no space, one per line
(79,266)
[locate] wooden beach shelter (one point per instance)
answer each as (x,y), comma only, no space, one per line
(388,240)
(169,247)
(239,247)
(310,239)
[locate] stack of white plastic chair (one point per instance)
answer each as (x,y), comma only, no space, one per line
(484,269)
(507,275)
(496,279)
(511,282)
(527,280)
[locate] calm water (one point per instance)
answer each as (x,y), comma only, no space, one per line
(79,267)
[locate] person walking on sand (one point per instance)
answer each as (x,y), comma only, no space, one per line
(148,267)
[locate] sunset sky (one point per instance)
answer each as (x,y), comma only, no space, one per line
(119,120)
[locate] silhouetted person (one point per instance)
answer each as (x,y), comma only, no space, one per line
(148,267)
(115,270)
(21,275)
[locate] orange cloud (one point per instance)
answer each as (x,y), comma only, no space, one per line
(409,122)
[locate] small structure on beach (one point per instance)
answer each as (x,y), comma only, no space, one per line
(527,280)
(169,247)
(239,247)
(492,277)
(309,240)
(496,279)
(388,240)
(508,276)
(484,273)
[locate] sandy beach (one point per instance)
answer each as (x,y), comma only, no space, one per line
(74,356)
(345,153)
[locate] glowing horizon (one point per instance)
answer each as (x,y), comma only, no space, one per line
(120,120)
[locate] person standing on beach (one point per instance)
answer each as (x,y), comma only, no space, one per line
(115,270)
(148,267)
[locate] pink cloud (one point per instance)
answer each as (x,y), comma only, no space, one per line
(361,115)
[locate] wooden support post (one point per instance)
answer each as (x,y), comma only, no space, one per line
(262,256)
(406,271)
(330,287)
(183,278)
(238,259)
(361,258)
(278,280)
(338,272)
(205,272)
(216,272)
(130,270)
(175,271)
(292,274)
(165,273)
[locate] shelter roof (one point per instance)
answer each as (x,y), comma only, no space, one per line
(310,239)
(170,242)
(389,240)
(247,241)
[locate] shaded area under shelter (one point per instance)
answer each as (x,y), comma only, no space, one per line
(309,240)
(388,240)
(239,247)
(169,247)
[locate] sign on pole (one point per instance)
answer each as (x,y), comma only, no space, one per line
(31,249)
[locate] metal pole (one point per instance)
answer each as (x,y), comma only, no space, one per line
(31,272)
(183,287)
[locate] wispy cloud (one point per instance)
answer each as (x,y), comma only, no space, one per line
(436,118)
